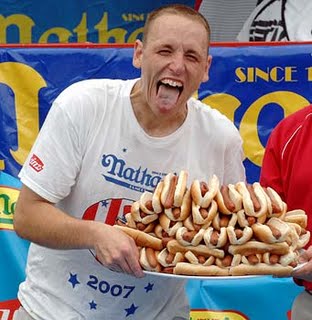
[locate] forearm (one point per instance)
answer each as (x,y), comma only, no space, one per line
(41,222)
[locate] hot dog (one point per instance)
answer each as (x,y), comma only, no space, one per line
(193,259)
(182,212)
(214,238)
(173,190)
(167,259)
(148,228)
(189,238)
(203,193)
(146,204)
(190,225)
(247,221)
(148,260)
(229,199)
(204,216)
(288,259)
(238,236)
(141,238)
(140,216)
(169,226)
(168,190)
(224,220)
(275,230)
(228,261)
(254,199)
(276,206)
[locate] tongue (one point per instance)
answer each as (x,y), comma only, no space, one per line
(167,97)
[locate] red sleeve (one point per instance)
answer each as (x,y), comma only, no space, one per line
(197,4)
(270,175)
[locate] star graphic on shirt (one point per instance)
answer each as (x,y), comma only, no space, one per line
(73,279)
(92,305)
(131,310)
(104,203)
(149,287)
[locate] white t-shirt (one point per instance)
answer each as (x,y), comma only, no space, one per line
(279,20)
(93,160)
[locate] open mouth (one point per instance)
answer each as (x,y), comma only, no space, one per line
(171,85)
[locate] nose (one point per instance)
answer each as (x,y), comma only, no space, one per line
(177,64)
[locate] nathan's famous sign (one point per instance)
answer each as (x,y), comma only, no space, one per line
(8,198)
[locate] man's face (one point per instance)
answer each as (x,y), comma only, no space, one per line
(173,62)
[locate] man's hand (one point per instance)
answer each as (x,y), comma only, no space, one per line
(117,251)
(305,272)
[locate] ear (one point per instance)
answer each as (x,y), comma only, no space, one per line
(137,55)
(207,68)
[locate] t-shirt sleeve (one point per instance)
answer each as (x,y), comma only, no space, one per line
(52,165)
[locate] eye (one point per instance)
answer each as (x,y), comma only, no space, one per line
(164,52)
(192,57)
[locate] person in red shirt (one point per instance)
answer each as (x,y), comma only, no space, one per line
(287,168)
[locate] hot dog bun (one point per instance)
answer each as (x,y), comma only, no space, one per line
(168,225)
(275,230)
(239,236)
(276,206)
(254,247)
(141,238)
(229,199)
(204,216)
(167,259)
(139,216)
(203,193)
(156,202)
(182,212)
(215,238)
(297,216)
(148,259)
(254,199)
(261,269)
(180,188)
(199,270)
(174,246)
(189,238)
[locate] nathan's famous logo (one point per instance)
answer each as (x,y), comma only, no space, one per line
(137,179)
(27,27)
(7,309)
(217,315)
(8,198)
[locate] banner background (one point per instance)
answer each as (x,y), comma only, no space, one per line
(70,21)
(254,85)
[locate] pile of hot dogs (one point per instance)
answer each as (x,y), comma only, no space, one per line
(208,229)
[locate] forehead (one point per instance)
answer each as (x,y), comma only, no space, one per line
(177,28)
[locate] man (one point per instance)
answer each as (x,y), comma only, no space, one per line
(103,143)
(287,168)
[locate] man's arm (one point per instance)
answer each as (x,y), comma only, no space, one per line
(41,222)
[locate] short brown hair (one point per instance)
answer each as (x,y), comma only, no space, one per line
(176,9)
